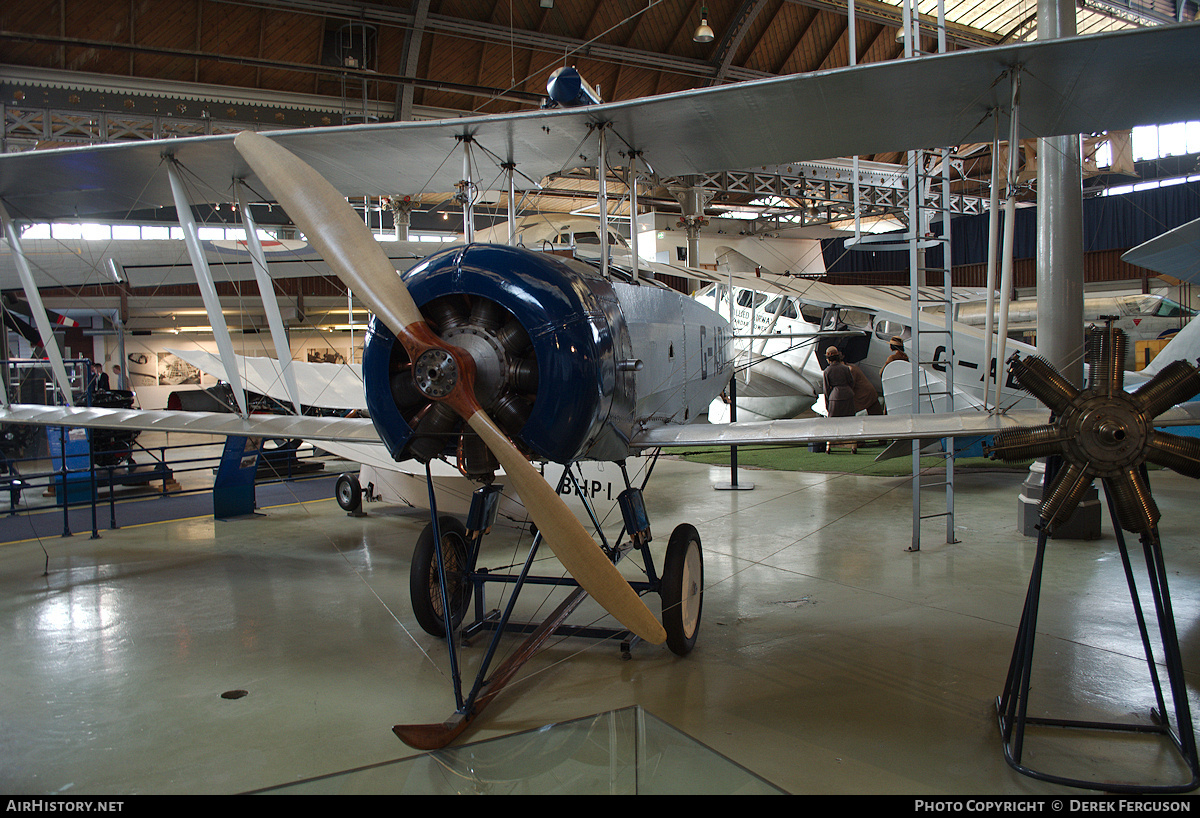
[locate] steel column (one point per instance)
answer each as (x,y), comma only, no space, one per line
(1060,228)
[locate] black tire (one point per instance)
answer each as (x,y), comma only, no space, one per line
(348,492)
(682,589)
(424,585)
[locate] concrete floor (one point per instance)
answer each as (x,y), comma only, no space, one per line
(830,660)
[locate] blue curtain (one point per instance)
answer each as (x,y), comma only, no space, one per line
(1109,222)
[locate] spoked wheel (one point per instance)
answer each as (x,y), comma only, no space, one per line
(348,492)
(424,583)
(682,589)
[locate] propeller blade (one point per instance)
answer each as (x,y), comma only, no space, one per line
(349,248)
(333,227)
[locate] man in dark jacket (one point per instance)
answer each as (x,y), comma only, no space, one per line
(99,380)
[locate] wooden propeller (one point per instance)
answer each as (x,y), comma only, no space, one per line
(348,246)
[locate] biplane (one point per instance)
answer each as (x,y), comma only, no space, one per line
(496,357)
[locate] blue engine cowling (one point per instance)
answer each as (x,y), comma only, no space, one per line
(545,333)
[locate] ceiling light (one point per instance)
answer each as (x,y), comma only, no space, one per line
(703,34)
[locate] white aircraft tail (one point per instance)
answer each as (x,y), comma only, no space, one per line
(898,397)
(935,397)
(1185,346)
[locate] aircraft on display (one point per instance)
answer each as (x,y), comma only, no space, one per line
(495,356)
(1175,254)
(1141,316)
(796,319)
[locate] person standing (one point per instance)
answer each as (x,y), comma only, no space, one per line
(839,385)
(99,380)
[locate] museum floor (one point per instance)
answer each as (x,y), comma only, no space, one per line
(830,659)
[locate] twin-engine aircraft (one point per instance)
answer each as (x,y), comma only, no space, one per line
(495,357)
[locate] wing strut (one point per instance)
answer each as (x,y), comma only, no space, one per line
(467,192)
(1010,218)
(208,290)
(602,194)
(37,309)
(283,348)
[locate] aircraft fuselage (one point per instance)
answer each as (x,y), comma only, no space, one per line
(569,362)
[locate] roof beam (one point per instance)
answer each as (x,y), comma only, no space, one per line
(412,55)
(490,32)
(732,40)
(890,15)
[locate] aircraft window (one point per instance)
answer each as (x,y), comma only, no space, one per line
(1172,309)
(856,318)
(1139,305)
(789,308)
(886,330)
(811,314)
(587,238)
(750,298)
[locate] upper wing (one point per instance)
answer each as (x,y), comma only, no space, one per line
(1075,85)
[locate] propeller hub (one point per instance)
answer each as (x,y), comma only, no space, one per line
(1107,434)
(435,373)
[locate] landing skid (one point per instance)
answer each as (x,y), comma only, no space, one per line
(444,576)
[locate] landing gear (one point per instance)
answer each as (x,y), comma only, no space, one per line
(682,589)
(348,493)
(444,582)
(424,578)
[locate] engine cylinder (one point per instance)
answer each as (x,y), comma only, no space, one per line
(1175,383)
(1040,379)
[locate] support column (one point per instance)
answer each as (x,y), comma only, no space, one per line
(1060,228)
(1059,278)
(692,200)
(401,215)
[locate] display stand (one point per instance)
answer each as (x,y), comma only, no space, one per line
(233,490)
(1012,705)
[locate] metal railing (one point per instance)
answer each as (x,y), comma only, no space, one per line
(156,477)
